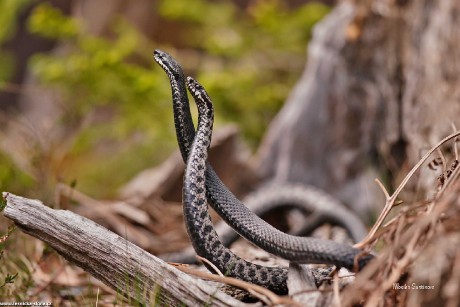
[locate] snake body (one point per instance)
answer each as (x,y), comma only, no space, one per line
(198,222)
(310,200)
(319,206)
(239,217)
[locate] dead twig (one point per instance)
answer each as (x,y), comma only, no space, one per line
(273,299)
(390,199)
(336,299)
(216,270)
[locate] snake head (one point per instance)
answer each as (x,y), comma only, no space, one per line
(199,93)
(169,65)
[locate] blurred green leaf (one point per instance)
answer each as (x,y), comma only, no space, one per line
(9,10)
(248,60)
(50,22)
(13,179)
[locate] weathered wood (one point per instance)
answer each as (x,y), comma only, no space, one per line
(117,262)
(381,85)
(302,286)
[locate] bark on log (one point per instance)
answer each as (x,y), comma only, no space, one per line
(115,261)
(381,85)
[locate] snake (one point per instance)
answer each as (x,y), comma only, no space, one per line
(321,207)
(197,219)
(235,213)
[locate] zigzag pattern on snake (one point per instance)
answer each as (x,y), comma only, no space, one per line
(198,222)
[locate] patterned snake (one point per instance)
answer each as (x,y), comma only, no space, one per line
(202,180)
(198,222)
(317,206)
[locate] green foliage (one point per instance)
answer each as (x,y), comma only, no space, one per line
(98,77)
(253,57)
(285,29)
(12,179)
(6,66)
(9,10)
(248,61)
(9,279)
(49,22)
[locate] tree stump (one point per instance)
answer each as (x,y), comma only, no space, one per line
(380,87)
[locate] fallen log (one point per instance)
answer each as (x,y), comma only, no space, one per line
(120,264)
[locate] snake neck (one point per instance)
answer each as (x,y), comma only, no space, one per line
(185,130)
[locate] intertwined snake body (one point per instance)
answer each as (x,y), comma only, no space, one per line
(320,208)
(239,217)
(198,222)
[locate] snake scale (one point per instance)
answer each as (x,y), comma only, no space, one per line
(239,217)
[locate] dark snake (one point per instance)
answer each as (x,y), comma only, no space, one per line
(319,207)
(240,218)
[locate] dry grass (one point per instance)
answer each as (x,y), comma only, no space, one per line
(418,247)
(419,253)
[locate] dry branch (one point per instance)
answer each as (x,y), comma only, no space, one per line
(115,261)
